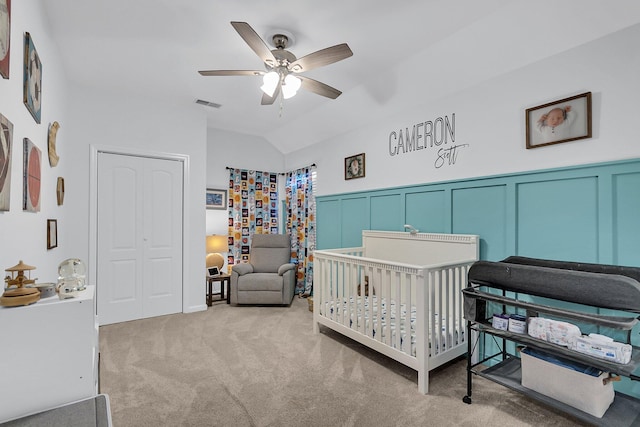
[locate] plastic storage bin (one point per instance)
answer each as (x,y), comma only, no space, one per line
(572,383)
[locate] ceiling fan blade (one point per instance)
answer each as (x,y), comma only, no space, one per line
(269,100)
(321,57)
(231,73)
(254,41)
(319,87)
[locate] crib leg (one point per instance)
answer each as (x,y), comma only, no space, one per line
(423,382)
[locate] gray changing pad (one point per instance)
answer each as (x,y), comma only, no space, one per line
(597,285)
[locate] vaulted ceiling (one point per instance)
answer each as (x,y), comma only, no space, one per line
(406,53)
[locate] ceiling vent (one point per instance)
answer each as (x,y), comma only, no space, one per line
(207,103)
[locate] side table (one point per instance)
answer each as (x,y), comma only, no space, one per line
(224,280)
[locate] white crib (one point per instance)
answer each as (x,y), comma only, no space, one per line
(399,294)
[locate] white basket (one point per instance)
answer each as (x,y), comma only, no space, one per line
(582,391)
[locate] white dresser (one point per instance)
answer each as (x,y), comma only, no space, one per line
(48,354)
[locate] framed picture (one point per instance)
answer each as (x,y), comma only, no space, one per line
(52,233)
(32,80)
(32,175)
(216,199)
(559,121)
(5,37)
(6,143)
(213,271)
(354,166)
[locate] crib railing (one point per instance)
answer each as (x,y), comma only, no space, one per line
(385,301)
(445,324)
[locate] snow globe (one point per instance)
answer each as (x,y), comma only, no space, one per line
(72,274)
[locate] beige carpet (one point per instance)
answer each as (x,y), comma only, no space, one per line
(263,366)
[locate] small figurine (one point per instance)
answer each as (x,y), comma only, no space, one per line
(20,295)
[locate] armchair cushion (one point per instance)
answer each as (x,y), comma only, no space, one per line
(260,282)
(269,252)
(243,268)
(286,267)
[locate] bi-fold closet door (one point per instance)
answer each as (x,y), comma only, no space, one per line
(139,237)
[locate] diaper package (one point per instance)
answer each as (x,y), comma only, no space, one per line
(602,347)
(553,331)
(500,321)
(569,335)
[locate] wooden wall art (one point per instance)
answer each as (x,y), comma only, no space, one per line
(5,37)
(60,191)
(32,176)
(32,87)
(6,144)
(53,132)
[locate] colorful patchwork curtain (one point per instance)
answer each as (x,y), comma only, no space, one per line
(301,223)
(253,208)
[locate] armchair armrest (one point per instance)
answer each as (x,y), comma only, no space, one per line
(286,267)
(242,268)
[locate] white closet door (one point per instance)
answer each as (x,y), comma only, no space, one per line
(139,248)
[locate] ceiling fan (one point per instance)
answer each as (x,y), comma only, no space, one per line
(282,75)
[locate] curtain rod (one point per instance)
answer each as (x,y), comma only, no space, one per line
(313,165)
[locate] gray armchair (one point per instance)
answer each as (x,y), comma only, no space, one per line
(269,278)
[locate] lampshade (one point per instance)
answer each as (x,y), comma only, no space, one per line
(290,86)
(216,243)
(270,82)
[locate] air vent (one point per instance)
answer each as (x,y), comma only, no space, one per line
(207,103)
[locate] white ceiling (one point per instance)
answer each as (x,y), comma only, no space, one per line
(406,53)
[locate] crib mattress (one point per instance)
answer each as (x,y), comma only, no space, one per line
(364,313)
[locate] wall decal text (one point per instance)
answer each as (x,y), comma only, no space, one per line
(437,135)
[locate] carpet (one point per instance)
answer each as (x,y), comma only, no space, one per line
(263,366)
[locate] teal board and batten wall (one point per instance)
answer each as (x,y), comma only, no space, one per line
(587,213)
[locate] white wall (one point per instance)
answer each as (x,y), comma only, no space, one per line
(119,120)
(235,150)
(23,234)
(490,119)
(89,116)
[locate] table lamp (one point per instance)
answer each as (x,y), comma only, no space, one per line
(216,243)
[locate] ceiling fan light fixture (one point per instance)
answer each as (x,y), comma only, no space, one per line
(280,62)
(290,86)
(270,82)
